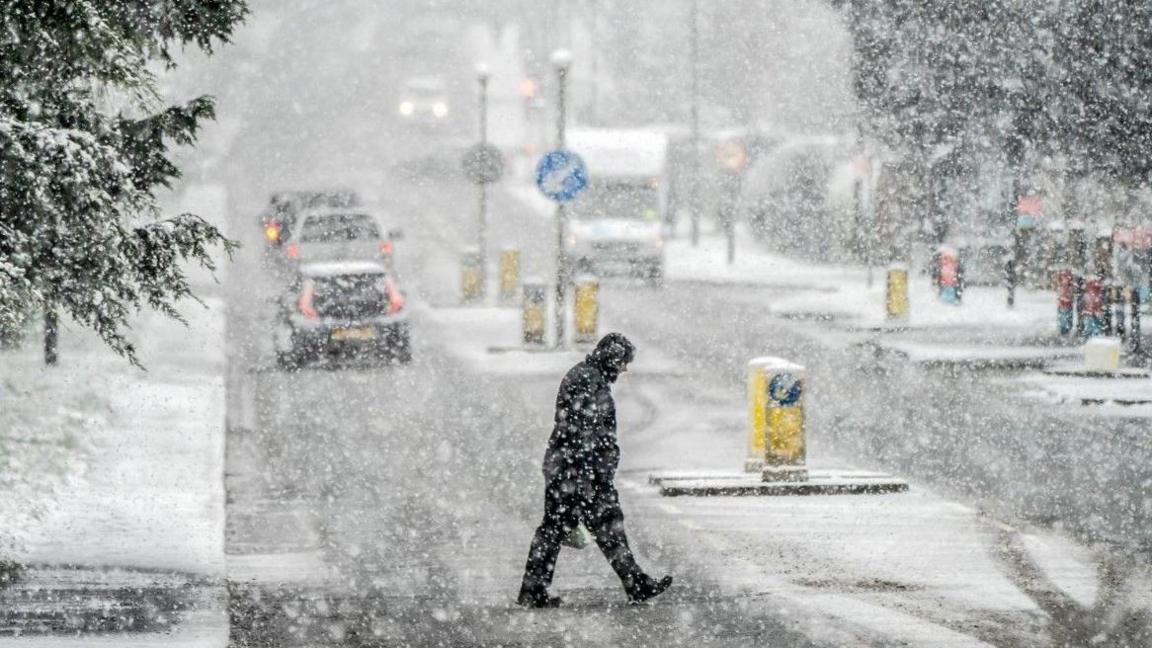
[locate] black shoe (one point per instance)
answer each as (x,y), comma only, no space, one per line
(537,598)
(648,588)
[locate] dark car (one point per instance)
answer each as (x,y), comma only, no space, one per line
(343,309)
(284,207)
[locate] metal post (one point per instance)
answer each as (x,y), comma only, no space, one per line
(1134,324)
(694,179)
(482,225)
(51,337)
(561,59)
(1076,256)
(1013,269)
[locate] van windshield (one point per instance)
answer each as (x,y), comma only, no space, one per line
(617,200)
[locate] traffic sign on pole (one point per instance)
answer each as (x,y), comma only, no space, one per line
(561,175)
(483,163)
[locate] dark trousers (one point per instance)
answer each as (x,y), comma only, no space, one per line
(565,506)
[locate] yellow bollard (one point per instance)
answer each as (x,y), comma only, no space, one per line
(896,292)
(534,315)
(785,445)
(471,277)
(757,401)
(587,309)
(509,273)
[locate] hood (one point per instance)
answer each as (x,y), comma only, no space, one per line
(612,352)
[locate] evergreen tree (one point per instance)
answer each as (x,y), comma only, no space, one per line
(84,144)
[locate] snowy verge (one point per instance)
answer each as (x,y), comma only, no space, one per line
(1119,396)
(140,485)
(104,464)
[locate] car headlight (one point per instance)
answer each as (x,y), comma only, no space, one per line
(571,240)
(440,109)
(407,108)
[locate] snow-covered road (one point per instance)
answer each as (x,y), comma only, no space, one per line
(397,503)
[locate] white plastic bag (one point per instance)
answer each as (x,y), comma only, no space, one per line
(578,538)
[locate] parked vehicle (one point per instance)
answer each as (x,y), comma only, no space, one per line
(616,223)
(343,309)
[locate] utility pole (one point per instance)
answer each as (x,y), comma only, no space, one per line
(694,178)
(562,62)
(482,76)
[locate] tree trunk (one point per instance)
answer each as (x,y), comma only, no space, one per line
(51,336)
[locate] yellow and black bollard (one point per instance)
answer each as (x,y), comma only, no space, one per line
(757,402)
(509,274)
(471,277)
(587,309)
(534,316)
(896,292)
(785,446)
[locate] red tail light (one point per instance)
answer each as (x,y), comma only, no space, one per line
(292,250)
(305,302)
(385,247)
(395,297)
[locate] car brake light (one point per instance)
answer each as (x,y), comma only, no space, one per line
(395,297)
(272,232)
(305,302)
(385,247)
(292,250)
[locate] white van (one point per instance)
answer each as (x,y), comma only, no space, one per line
(615,226)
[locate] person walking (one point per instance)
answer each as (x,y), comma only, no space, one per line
(579,473)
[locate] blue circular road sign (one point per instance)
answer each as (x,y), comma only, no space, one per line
(561,175)
(784,389)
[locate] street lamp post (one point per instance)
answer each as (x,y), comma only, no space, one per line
(562,62)
(482,76)
(694,179)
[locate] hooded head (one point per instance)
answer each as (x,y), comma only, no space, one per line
(612,353)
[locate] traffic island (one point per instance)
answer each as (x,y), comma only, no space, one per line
(777,448)
(818,482)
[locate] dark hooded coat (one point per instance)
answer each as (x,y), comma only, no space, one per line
(583,447)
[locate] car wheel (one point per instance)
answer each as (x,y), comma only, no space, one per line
(398,347)
(287,360)
(402,351)
(655,275)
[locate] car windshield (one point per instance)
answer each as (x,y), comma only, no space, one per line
(332,199)
(332,228)
(617,200)
(350,295)
(424,90)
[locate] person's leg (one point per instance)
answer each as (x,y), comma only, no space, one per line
(560,518)
(605,519)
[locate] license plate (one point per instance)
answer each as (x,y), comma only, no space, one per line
(365,333)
